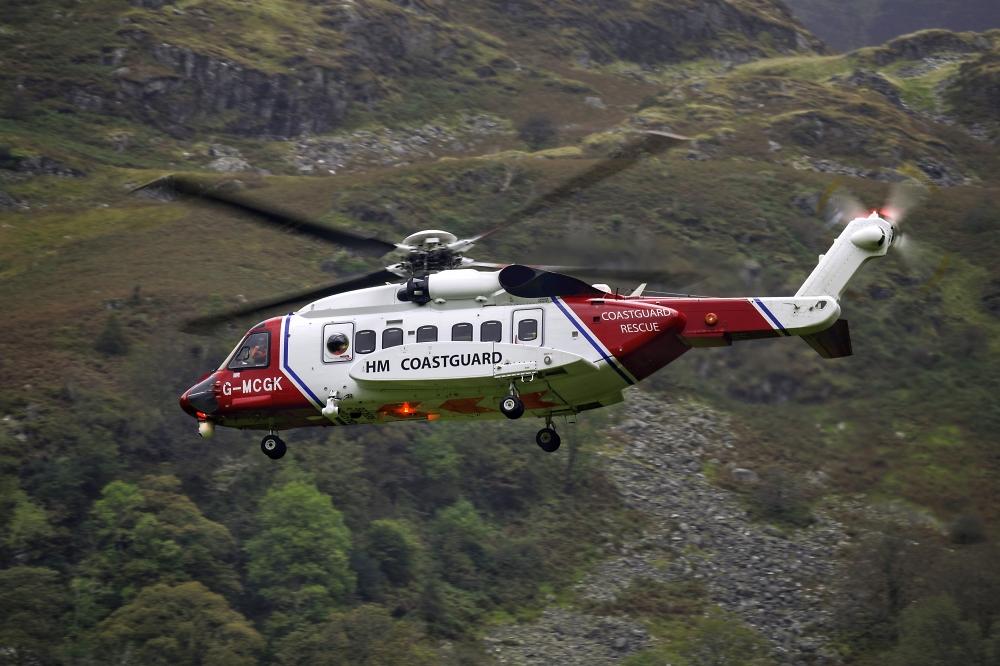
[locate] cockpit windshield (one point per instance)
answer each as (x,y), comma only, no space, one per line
(253,352)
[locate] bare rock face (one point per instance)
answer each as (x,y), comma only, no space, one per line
(270,105)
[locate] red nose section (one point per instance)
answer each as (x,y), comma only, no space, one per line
(186,404)
(200,399)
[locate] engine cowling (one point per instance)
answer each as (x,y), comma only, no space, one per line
(463,284)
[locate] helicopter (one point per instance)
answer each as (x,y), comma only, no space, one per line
(437,335)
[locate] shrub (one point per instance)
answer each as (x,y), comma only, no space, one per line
(932,633)
(967,530)
(778,498)
(111,339)
(538,131)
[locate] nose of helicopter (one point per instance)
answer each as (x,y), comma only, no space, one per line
(200,398)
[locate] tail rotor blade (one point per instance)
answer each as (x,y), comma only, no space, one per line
(843,208)
(903,197)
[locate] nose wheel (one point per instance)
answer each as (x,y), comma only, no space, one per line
(511,406)
(273,446)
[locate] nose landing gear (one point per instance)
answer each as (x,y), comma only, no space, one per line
(273,446)
(511,406)
(547,438)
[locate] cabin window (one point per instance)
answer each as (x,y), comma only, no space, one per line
(527,330)
(253,352)
(364,342)
(427,334)
(491,331)
(392,337)
(461,333)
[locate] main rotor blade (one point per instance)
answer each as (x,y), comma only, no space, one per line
(651,143)
(650,275)
(177,184)
(203,325)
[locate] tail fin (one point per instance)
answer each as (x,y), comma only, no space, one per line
(862,240)
(834,342)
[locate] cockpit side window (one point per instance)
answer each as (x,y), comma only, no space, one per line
(253,352)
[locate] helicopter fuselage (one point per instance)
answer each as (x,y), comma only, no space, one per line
(368,357)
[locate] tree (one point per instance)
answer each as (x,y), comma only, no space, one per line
(395,550)
(299,558)
(22,521)
(779,498)
(932,633)
(32,601)
(725,641)
(538,130)
(366,636)
(111,339)
(459,535)
(150,533)
(884,576)
(185,625)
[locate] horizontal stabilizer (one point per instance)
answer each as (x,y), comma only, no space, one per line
(834,342)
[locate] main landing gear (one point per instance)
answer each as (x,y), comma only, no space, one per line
(273,446)
(547,438)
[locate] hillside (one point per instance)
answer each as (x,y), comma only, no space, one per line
(854,24)
(724,499)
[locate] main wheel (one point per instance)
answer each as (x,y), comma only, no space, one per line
(548,439)
(512,407)
(273,447)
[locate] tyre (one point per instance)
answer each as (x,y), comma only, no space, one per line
(273,447)
(512,407)
(548,440)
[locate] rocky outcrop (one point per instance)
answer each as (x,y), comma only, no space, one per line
(270,105)
(366,47)
(40,165)
(866,78)
(928,43)
(976,90)
(669,32)
(9,203)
